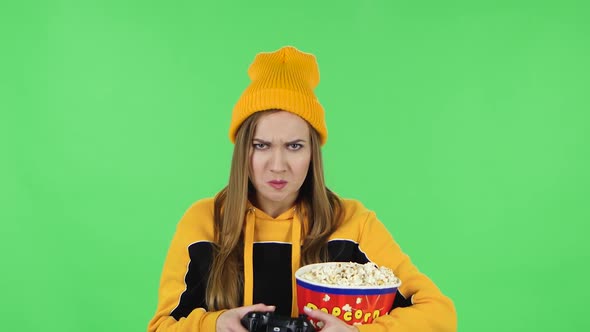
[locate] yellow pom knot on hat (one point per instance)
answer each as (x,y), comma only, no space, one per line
(285,80)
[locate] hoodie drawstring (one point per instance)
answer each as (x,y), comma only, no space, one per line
(249,257)
(295,260)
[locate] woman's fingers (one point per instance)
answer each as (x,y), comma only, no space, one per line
(327,321)
(231,319)
(319,315)
(256,307)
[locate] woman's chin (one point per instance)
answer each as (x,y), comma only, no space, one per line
(279,198)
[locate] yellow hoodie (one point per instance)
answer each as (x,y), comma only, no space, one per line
(270,261)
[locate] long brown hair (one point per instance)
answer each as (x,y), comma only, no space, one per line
(317,204)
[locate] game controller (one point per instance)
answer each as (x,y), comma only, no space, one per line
(257,321)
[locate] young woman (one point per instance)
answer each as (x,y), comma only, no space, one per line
(237,252)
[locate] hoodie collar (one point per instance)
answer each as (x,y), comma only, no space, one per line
(287,215)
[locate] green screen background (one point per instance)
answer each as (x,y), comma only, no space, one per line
(463,124)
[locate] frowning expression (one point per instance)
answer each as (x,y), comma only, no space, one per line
(280,158)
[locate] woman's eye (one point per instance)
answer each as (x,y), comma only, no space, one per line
(295,146)
(259,146)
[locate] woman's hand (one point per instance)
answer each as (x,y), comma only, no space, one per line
(330,323)
(229,321)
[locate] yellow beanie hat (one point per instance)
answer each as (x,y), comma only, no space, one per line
(284,79)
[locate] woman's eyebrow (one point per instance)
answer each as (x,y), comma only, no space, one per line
(296,141)
(260,141)
(299,140)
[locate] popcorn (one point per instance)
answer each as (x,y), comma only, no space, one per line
(326,298)
(358,300)
(351,274)
(347,307)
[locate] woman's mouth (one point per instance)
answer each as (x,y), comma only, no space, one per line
(277,184)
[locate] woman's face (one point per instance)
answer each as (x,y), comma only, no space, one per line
(280,157)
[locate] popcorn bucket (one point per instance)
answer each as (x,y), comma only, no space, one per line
(355,305)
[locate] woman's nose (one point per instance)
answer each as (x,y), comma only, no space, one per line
(278,162)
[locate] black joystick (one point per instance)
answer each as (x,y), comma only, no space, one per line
(257,321)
